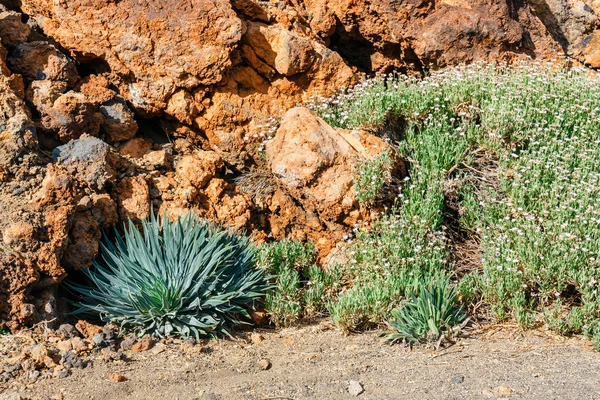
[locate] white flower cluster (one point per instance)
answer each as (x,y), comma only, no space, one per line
(538,223)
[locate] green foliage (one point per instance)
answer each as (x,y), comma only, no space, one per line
(429,315)
(408,245)
(300,287)
(536,216)
(366,305)
(470,208)
(4,331)
(183,278)
(372,176)
(386,263)
(320,286)
(563,320)
(284,260)
(284,302)
(278,257)
(468,288)
(592,330)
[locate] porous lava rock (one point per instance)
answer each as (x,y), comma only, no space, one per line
(164,45)
(42,60)
(224,67)
(13,31)
(17,130)
(90,158)
(316,165)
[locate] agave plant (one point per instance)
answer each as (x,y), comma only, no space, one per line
(174,278)
(428,316)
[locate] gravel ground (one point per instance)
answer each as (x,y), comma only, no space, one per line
(317,362)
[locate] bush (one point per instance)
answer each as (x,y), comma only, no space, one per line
(300,288)
(386,263)
(284,260)
(429,315)
(321,285)
(371,177)
(182,278)
(366,305)
(534,213)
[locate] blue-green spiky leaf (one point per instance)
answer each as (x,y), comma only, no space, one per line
(184,278)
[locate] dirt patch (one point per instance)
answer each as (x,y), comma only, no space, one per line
(317,362)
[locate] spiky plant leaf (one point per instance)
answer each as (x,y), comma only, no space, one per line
(431,313)
(173,278)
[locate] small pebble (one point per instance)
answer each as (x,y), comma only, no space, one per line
(257,338)
(109,333)
(116,377)
(63,373)
(67,330)
(458,379)
(143,344)
(33,376)
(264,364)
(355,388)
(159,348)
(502,391)
(128,342)
(98,339)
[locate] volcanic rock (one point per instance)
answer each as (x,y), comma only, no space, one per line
(198,169)
(12,29)
(42,60)
(119,123)
(70,115)
(177,44)
(133,198)
(89,157)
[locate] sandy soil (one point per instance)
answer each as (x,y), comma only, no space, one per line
(316,362)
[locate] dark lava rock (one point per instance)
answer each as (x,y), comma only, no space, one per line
(92,159)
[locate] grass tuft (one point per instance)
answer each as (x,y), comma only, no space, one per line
(300,287)
(428,316)
(372,176)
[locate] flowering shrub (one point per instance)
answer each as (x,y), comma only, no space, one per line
(537,224)
(541,228)
(372,176)
(300,287)
(387,263)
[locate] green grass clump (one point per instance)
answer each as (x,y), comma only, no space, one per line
(284,260)
(386,264)
(320,285)
(300,287)
(534,213)
(372,176)
(428,316)
(174,278)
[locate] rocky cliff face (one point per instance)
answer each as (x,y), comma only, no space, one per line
(220,67)
(110,108)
